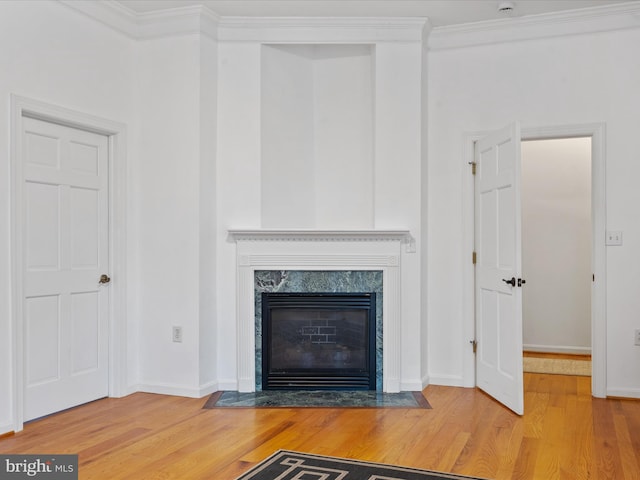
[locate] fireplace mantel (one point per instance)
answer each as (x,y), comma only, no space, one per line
(256,235)
(270,249)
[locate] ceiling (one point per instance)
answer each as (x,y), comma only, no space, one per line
(440,12)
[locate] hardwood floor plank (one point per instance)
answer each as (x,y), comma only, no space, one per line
(575,444)
(548,459)
(633,421)
(628,455)
(564,434)
(509,456)
(535,404)
(450,454)
(607,453)
(524,468)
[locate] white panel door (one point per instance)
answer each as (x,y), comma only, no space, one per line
(498,267)
(65,218)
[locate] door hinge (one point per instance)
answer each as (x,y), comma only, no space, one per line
(474,344)
(473,167)
(474,257)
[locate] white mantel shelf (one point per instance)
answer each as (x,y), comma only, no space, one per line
(257,235)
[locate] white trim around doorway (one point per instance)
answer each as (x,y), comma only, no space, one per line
(596,131)
(116,132)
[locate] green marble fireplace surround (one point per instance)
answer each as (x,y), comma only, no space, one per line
(300,281)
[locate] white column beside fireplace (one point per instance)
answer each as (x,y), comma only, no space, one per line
(324,251)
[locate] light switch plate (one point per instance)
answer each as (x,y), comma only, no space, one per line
(614,238)
(176,333)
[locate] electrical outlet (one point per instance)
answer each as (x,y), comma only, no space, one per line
(177,334)
(636,337)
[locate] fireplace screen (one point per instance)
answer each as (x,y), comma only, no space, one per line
(318,341)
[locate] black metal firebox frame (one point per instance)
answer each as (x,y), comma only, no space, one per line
(319,378)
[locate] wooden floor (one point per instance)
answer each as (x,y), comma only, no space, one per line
(564,434)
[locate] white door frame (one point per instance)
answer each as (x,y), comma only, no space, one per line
(116,133)
(598,254)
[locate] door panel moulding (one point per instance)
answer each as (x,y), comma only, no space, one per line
(597,132)
(498,308)
(22,107)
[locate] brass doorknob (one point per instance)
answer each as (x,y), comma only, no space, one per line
(104,278)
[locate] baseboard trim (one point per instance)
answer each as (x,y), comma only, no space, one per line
(177,390)
(228,385)
(129,390)
(426,380)
(447,380)
(557,349)
(624,392)
(411,386)
(208,388)
(7,430)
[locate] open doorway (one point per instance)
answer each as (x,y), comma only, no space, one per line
(557,255)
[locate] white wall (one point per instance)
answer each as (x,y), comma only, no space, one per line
(174,174)
(317,136)
(424,217)
(238,192)
(343,135)
(556,245)
(398,151)
(167,215)
(164,91)
(287,136)
(56,55)
(556,81)
(208,213)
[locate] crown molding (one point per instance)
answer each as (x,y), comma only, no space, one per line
(179,21)
(163,23)
(201,19)
(324,29)
(109,13)
(573,22)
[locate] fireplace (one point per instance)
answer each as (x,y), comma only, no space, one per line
(331,252)
(319,341)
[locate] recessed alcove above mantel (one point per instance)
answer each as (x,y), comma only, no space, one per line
(317,119)
(321,250)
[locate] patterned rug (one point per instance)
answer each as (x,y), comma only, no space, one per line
(286,465)
(557,366)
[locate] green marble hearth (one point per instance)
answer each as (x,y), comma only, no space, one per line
(327,399)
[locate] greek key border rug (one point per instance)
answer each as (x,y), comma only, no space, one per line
(288,465)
